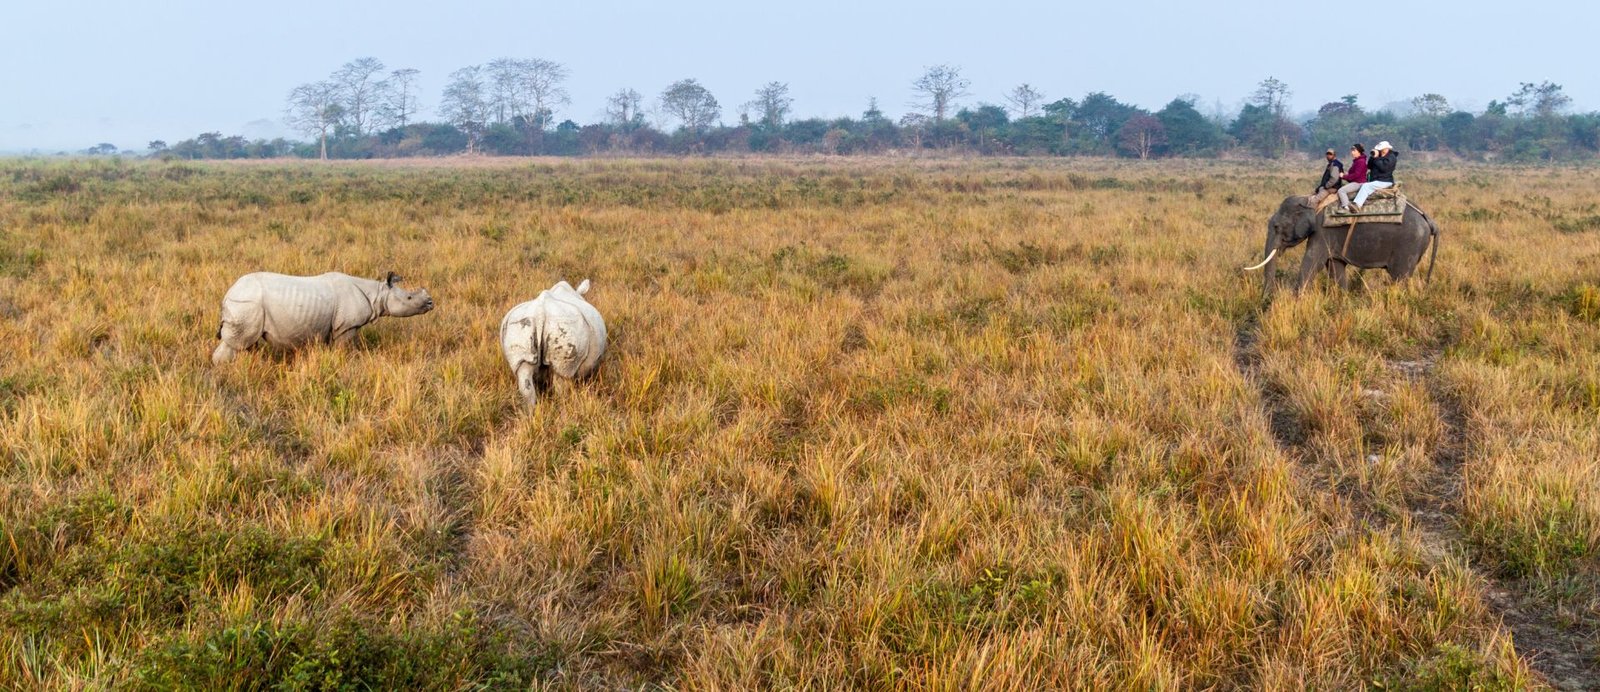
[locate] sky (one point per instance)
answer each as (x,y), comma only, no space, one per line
(74,73)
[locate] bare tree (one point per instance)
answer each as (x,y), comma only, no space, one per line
(526,88)
(938,90)
(400,99)
(504,98)
(1025,100)
(539,82)
(315,109)
(360,91)
(625,109)
(1141,135)
(692,104)
(466,103)
(772,104)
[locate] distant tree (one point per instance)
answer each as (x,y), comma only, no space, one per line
(1431,105)
(624,109)
(530,89)
(1544,100)
(157,146)
(466,105)
(988,123)
(772,104)
(101,149)
(1025,100)
(1273,134)
(1099,117)
(873,113)
(360,92)
(542,83)
(938,90)
(1141,135)
(1187,131)
(1457,131)
(693,105)
(1063,112)
(315,110)
(504,99)
(1265,132)
(400,103)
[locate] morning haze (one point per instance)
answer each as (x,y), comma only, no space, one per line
(95,71)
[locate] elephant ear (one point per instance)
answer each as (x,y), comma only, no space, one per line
(392,279)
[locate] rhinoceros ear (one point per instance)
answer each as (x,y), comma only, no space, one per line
(392,279)
(583,287)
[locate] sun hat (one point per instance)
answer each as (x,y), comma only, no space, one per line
(1383,145)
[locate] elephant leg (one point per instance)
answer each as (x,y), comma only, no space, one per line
(1316,259)
(1341,274)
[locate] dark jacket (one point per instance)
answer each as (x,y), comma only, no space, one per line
(1381,168)
(1358,170)
(1329,174)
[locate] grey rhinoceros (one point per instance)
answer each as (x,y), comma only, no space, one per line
(291,311)
(557,336)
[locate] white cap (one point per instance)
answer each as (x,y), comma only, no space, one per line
(1383,145)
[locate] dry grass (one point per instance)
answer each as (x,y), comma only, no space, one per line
(881,424)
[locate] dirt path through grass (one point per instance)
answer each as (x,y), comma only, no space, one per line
(1565,655)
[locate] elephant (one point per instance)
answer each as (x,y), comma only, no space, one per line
(1396,248)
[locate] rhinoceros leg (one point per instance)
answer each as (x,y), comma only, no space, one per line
(528,382)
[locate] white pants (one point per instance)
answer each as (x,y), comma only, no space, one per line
(1368,188)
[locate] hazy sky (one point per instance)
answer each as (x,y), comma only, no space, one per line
(78,72)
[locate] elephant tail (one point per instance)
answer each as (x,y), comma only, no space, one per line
(1433,251)
(1433,240)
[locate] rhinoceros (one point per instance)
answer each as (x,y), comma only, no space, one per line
(291,311)
(557,338)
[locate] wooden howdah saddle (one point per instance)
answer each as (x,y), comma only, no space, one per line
(1383,206)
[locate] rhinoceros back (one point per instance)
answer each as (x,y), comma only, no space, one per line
(289,310)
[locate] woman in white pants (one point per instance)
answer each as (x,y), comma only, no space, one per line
(1380,173)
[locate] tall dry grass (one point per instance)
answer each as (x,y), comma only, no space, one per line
(879,424)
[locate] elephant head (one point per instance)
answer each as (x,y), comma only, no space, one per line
(1294,221)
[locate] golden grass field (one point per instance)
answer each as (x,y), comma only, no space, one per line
(885,424)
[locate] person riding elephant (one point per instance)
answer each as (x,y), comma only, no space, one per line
(1331,173)
(1380,174)
(1353,178)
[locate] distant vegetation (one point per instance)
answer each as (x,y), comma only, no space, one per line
(510,107)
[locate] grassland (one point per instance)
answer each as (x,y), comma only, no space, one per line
(892,424)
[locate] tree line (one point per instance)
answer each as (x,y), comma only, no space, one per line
(510,107)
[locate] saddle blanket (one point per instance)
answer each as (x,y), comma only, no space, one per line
(1380,208)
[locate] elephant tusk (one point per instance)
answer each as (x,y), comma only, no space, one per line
(1264,262)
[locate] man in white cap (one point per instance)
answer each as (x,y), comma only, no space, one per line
(1380,173)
